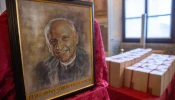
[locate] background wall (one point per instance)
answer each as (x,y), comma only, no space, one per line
(115,26)
(101,14)
(109,15)
(2,6)
(113,40)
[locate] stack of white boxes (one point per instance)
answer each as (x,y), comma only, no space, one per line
(116,64)
(151,75)
(141,70)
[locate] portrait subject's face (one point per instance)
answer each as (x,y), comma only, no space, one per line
(63,41)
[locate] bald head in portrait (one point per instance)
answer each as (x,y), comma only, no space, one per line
(67,62)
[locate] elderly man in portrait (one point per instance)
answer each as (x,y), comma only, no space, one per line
(68,62)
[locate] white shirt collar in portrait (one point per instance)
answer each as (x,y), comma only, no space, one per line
(66,64)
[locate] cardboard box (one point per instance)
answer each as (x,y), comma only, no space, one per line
(173,65)
(128,76)
(136,78)
(128,62)
(157,82)
(116,65)
(140,78)
(149,66)
(167,79)
(146,80)
(172,60)
(151,75)
(116,73)
(169,68)
(108,62)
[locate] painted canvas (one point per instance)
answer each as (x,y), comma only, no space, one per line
(56,47)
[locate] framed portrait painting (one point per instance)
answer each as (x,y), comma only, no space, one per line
(52,47)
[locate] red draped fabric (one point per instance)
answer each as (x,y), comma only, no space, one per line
(7,91)
(100,92)
(100,62)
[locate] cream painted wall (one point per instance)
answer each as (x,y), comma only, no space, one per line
(116,10)
(112,21)
(100,14)
(114,26)
(2,6)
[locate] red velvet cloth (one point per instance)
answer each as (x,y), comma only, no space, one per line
(7,91)
(100,92)
(130,94)
(100,62)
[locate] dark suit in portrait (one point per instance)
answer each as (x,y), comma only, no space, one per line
(50,71)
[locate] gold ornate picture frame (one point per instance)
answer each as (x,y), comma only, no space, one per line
(52,47)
